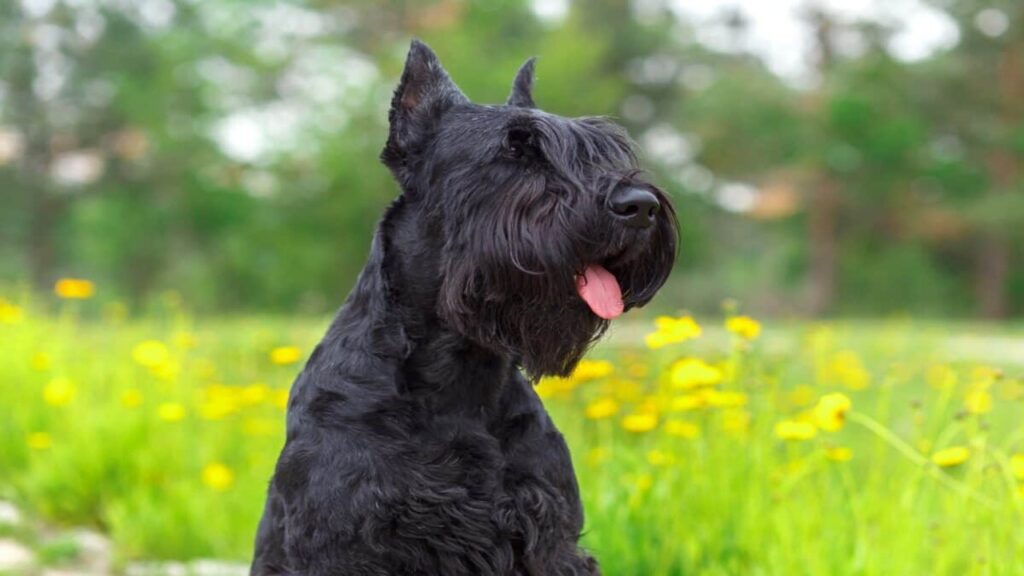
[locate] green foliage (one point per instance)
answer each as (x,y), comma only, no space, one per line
(58,551)
(230,149)
(902,279)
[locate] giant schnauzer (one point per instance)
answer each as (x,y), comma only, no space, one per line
(415,442)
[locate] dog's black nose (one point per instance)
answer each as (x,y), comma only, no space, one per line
(635,207)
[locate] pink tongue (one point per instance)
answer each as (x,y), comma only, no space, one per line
(600,290)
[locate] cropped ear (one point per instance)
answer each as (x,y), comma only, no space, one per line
(522,86)
(423,94)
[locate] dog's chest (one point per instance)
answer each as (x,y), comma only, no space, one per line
(471,471)
(505,470)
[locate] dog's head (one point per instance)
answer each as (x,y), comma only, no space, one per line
(546,227)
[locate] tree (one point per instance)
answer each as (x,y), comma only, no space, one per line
(978,104)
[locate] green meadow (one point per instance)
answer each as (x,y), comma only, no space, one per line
(709,446)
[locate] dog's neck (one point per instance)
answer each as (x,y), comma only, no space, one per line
(399,335)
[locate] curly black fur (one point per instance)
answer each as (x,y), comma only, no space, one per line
(415,446)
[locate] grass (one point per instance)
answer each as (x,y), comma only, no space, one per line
(163,431)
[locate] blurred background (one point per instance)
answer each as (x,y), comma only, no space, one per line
(851,157)
(188,189)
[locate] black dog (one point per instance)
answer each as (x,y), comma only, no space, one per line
(415,446)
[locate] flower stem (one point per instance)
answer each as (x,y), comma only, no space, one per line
(916,457)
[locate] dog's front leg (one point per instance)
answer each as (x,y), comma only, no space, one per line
(542,505)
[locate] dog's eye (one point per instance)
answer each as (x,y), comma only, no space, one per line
(518,142)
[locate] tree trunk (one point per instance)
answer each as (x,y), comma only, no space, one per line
(993,254)
(41,239)
(822,217)
(993,271)
(823,206)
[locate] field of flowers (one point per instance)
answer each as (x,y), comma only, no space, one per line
(718,447)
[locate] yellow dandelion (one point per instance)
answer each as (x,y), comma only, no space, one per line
(643,482)
(550,386)
(284,355)
(547,387)
(131,398)
(166,371)
(279,398)
(171,412)
(802,395)
(640,422)
(693,373)
(736,422)
(217,476)
(978,401)
(217,408)
(686,402)
(601,408)
(985,375)
(591,370)
(795,430)
(839,453)
(744,326)
(219,401)
(59,392)
(682,429)
(1017,466)
(718,399)
(950,457)
(10,313)
(39,441)
(660,458)
(941,377)
(830,412)
(74,289)
(670,330)
(255,393)
(41,362)
(151,353)
(848,369)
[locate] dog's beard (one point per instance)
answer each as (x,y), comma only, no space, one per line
(548,341)
(513,287)
(549,334)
